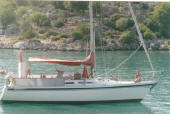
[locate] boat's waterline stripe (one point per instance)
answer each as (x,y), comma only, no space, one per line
(127,86)
(74,102)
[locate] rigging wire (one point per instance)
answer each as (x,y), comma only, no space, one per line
(124,61)
(141,44)
(140,36)
(102,42)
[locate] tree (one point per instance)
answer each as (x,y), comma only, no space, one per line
(127,37)
(59,23)
(152,24)
(60,20)
(79,6)
(67,5)
(82,33)
(21,11)
(58,4)
(27,31)
(161,16)
(115,17)
(124,23)
(7,14)
(147,33)
(97,8)
(40,19)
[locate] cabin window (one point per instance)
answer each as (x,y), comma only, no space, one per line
(69,83)
(85,82)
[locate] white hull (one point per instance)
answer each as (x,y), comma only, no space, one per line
(127,92)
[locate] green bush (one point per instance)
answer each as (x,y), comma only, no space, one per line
(97,8)
(85,29)
(161,17)
(127,37)
(36,3)
(51,33)
(77,35)
(29,34)
(21,10)
(27,31)
(113,41)
(35,40)
(59,23)
(107,33)
(117,4)
(147,33)
(7,13)
(152,25)
(40,19)
(124,23)
(158,34)
(58,4)
(144,6)
(79,6)
(83,32)
(64,35)
(55,38)
(115,17)
(43,30)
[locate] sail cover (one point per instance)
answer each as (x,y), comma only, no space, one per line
(89,61)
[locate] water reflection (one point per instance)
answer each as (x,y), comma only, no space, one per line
(108,108)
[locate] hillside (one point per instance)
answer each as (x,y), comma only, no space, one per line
(65,25)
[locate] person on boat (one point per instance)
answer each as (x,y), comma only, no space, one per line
(43,76)
(137,77)
(77,76)
(2,72)
(91,75)
(28,71)
(20,55)
(114,77)
(60,73)
(85,73)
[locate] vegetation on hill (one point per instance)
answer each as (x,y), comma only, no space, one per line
(70,19)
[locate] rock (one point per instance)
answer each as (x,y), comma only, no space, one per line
(1,45)
(77,45)
(32,44)
(1,31)
(19,45)
(155,46)
(50,46)
(164,47)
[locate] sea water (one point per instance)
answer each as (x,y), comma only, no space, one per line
(156,102)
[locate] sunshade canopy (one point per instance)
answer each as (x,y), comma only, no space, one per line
(89,61)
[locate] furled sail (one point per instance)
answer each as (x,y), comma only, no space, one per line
(89,61)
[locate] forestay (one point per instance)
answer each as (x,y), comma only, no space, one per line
(140,35)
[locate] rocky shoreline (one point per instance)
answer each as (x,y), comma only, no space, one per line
(70,45)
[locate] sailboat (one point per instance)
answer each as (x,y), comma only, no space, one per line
(77,88)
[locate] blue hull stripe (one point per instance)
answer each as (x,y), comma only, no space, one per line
(111,87)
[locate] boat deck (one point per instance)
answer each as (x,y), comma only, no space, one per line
(35,81)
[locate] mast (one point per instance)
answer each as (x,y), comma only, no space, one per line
(92,34)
